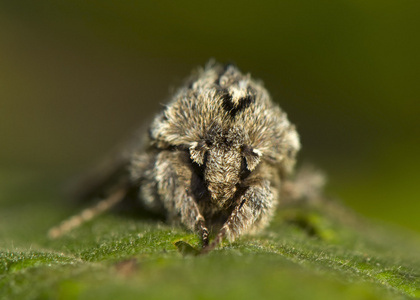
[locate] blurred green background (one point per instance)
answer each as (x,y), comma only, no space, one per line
(76,77)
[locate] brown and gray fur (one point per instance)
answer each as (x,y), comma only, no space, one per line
(217,156)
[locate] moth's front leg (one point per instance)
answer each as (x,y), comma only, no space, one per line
(173,182)
(254,210)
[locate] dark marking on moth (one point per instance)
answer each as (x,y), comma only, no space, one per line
(244,170)
(234,108)
(226,98)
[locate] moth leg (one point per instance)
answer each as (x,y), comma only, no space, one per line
(254,211)
(173,178)
(87,214)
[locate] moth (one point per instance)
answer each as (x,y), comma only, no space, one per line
(215,159)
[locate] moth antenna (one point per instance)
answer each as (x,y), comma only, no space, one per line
(88,214)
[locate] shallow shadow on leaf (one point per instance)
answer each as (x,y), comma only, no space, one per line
(186,249)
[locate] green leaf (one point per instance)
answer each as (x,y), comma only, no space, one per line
(313,251)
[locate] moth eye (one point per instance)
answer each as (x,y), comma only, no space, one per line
(252,157)
(244,169)
(208,143)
